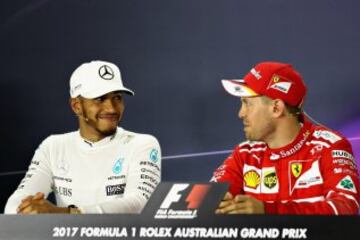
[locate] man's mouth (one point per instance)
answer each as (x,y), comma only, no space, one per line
(109,117)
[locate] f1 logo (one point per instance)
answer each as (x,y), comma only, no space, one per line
(173,195)
(194,198)
(197,195)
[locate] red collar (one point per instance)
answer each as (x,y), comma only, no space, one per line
(295,145)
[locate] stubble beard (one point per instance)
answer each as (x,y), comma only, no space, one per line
(95,125)
(260,134)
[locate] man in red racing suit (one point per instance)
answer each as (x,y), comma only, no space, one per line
(314,173)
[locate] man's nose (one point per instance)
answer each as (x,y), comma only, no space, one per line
(109,105)
(241,113)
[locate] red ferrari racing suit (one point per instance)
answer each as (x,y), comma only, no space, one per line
(315,174)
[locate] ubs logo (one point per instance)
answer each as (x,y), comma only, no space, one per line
(105,72)
(115,189)
(64,191)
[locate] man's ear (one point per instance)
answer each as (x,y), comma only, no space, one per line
(278,108)
(75,106)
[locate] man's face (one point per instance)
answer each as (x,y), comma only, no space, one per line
(102,115)
(255,113)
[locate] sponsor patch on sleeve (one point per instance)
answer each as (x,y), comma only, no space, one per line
(345,162)
(154,155)
(342,154)
(346,184)
(327,135)
(219,173)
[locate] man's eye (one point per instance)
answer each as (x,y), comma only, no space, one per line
(118,98)
(99,99)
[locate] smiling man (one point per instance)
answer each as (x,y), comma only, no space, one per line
(101,168)
(288,165)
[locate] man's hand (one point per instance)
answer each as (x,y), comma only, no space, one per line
(226,202)
(240,204)
(38,204)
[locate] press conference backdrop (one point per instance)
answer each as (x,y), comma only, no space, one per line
(173,54)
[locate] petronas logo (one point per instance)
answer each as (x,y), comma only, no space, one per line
(117,166)
(154,155)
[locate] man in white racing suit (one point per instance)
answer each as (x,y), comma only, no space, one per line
(101,168)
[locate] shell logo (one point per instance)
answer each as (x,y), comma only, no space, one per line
(252,179)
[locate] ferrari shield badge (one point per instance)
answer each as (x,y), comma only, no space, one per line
(296,169)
